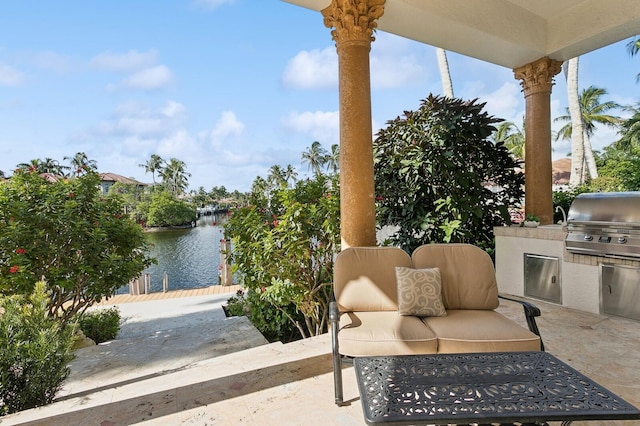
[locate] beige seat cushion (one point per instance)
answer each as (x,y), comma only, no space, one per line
(467,273)
(384,333)
(364,278)
(480,331)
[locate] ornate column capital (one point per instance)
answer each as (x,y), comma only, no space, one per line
(537,76)
(353,20)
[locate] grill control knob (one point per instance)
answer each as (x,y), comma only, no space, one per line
(588,237)
(622,240)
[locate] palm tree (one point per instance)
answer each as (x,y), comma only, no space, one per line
(445,74)
(290,174)
(80,162)
(35,165)
(315,157)
(578,175)
(277,177)
(153,165)
(175,176)
(333,159)
(630,130)
(592,112)
(633,47)
(512,137)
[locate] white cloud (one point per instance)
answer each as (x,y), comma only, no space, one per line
(394,62)
(180,145)
(315,69)
(154,78)
(397,62)
(227,125)
(130,61)
(506,102)
(320,125)
(132,119)
(10,76)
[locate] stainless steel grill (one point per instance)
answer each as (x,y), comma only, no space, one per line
(605,224)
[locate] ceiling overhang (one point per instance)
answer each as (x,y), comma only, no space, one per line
(510,33)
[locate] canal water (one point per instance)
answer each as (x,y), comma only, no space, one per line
(190,257)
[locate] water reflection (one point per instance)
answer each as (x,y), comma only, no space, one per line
(190,257)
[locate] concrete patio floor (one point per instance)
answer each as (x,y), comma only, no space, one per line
(200,368)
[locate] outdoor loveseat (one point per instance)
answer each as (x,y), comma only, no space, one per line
(442,299)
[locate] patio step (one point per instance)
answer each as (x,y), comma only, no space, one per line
(204,383)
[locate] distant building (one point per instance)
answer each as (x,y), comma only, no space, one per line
(561,173)
(51,177)
(107,180)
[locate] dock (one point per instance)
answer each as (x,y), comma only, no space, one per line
(172,294)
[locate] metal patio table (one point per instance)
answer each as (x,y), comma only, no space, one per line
(484,388)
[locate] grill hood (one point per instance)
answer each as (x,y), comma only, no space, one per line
(605,224)
(606,208)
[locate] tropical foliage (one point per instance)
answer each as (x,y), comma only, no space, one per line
(66,234)
(166,210)
(35,351)
(512,137)
(440,179)
(283,248)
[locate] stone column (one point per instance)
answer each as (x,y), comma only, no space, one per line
(353,22)
(536,80)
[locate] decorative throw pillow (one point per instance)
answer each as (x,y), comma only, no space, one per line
(419,292)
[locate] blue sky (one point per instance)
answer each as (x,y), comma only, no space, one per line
(230,87)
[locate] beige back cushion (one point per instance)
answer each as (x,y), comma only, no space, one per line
(364,278)
(467,274)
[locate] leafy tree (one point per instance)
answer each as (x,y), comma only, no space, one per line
(166,210)
(134,199)
(440,179)
(66,234)
(619,169)
(283,252)
(218,193)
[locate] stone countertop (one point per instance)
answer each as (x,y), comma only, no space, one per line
(542,232)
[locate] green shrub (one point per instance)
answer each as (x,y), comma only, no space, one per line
(100,325)
(35,352)
(432,170)
(236,306)
(270,321)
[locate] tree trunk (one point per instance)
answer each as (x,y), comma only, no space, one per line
(588,156)
(577,142)
(445,75)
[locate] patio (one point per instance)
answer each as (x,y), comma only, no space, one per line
(292,384)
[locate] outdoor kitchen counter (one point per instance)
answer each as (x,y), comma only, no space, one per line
(578,276)
(542,232)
